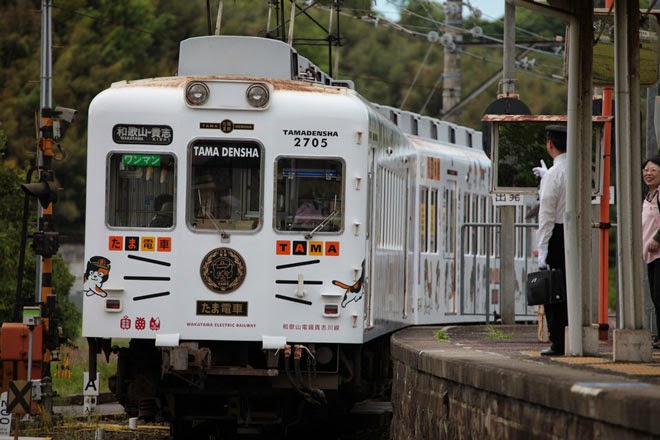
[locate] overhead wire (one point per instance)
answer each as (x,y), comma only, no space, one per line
(484,36)
(440,5)
(401,28)
(376,20)
(421,66)
(441,25)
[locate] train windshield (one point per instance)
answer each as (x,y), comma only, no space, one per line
(309,194)
(140,192)
(225,185)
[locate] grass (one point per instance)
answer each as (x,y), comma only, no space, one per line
(70,382)
(495,333)
(441,336)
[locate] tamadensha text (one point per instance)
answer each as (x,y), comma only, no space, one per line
(310,133)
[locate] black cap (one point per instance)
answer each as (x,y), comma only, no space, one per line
(557,135)
(556,128)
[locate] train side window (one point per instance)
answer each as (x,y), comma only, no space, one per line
(423,219)
(483,206)
(467,245)
(433,220)
(308,194)
(141,190)
(225,185)
(449,199)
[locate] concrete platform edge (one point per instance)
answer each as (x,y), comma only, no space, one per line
(607,398)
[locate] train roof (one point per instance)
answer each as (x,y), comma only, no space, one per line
(242,58)
(432,128)
(248,56)
(435,148)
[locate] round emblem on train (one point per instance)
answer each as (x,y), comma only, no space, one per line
(223,270)
(227,126)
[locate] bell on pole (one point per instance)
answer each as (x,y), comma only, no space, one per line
(44,190)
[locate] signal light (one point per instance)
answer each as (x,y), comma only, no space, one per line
(44,190)
(45,244)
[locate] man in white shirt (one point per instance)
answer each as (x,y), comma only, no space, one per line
(550,235)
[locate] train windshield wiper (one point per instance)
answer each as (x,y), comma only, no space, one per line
(322,225)
(207,213)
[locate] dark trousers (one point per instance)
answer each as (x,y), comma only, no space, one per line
(654,283)
(557,314)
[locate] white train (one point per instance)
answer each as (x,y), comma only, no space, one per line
(257,230)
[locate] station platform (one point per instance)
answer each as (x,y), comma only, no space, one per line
(493,376)
(6,437)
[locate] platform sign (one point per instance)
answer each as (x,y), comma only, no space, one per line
(91,387)
(5,416)
(89,404)
(596,199)
(19,397)
(503,199)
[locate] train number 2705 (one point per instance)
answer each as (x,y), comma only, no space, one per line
(310,142)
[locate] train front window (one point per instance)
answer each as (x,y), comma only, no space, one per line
(141,190)
(309,195)
(225,185)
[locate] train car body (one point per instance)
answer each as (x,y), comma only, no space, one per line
(256,230)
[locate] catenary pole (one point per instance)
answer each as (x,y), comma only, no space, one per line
(508,213)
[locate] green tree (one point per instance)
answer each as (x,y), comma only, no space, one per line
(11,214)
(98,42)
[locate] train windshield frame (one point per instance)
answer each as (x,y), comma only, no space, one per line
(140,190)
(309,194)
(225,185)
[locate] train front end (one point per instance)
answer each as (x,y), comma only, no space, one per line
(226,235)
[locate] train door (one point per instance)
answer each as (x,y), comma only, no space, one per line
(450,197)
(371,242)
(408,245)
(389,243)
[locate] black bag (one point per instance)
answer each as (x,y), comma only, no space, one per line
(545,287)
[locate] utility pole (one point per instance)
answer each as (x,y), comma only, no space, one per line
(44,294)
(46,240)
(451,78)
(508,213)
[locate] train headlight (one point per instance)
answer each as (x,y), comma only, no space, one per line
(197,93)
(257,95)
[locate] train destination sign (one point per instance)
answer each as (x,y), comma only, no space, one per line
(141,160)
(142,134)
(225,151)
